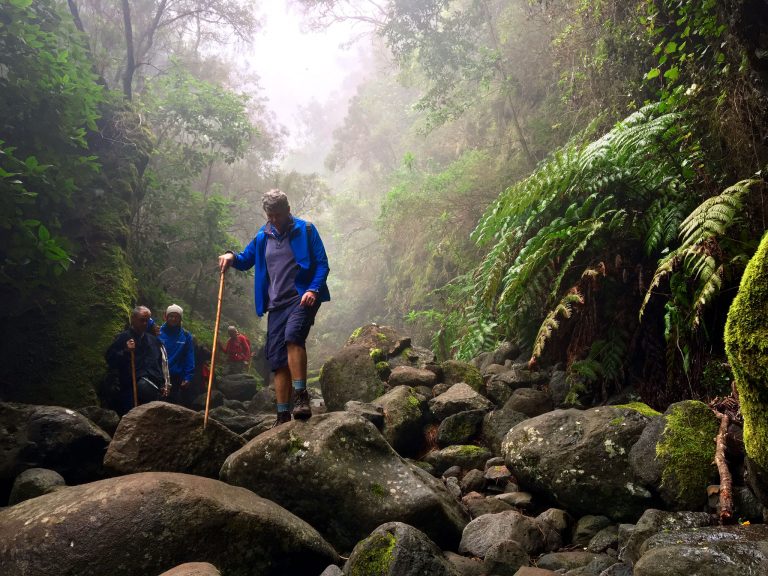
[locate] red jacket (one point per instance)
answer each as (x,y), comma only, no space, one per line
(238,348)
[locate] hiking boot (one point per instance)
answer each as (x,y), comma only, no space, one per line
(282,418)
(301,409)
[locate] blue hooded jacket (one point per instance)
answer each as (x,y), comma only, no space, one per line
(309,253)
(180,347)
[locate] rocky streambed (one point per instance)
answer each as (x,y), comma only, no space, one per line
(413,468)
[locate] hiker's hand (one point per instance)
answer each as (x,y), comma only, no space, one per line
(130,344)
(166,391)
(225,261)
(185,383)
(308,299)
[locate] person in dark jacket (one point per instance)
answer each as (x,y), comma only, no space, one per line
(148,361)
(291,269)
(180,347)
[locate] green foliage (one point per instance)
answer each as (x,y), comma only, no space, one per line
(715,245)
(49,100)
(553,234)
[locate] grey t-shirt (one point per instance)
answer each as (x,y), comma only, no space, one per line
(281,269)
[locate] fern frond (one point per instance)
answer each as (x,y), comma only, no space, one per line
(564,309)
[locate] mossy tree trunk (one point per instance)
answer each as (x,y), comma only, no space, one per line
(746,343)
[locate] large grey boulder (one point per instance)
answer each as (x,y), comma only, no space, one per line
(580,459)
(35,482)
(397,549)
(337,472)
(151,522)
(713,551)
(162,437)
(458,398)
(350,375)
(49,437)
(239,386)
(485,531)
(404,419)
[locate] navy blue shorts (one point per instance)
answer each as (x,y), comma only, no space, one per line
(288,324)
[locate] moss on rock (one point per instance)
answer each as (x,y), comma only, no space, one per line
(455,371)
(686,451)
(375,556)
(746,343)
(640,407)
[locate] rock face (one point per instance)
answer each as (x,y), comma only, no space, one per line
(580,459)
(151,522)
(350,375)
(50,437)
(162,437)
(397,549)
(403,419)
(338,473)
(238,386)
(716,551)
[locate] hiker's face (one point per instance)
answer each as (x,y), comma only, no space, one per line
(173,319)
(279,218)
(140,321)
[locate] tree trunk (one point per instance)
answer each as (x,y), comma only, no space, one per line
(130,61)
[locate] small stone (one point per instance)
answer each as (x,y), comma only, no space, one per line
(505,558)
(34,482)
(495,461)
(498,474)
(607,538)
(452,472)
(522,500)
(587,527)
(473,481)
(452,483)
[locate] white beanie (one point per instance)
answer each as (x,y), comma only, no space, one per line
(174,308)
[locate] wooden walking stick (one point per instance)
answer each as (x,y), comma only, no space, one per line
(213,351)
(133,377)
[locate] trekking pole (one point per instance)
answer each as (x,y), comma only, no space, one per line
(133,377)
(213,353)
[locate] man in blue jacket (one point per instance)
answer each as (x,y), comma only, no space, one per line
(180,347)
(291,269)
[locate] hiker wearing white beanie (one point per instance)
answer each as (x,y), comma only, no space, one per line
(181,356)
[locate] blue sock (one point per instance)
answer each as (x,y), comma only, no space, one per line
(299,384)
(283,406)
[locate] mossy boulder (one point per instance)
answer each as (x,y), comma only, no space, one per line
(350,375)
(404,416)
(746,343)
(465,456)
(397,549)
(674,456)
(384,339)
(455,371)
